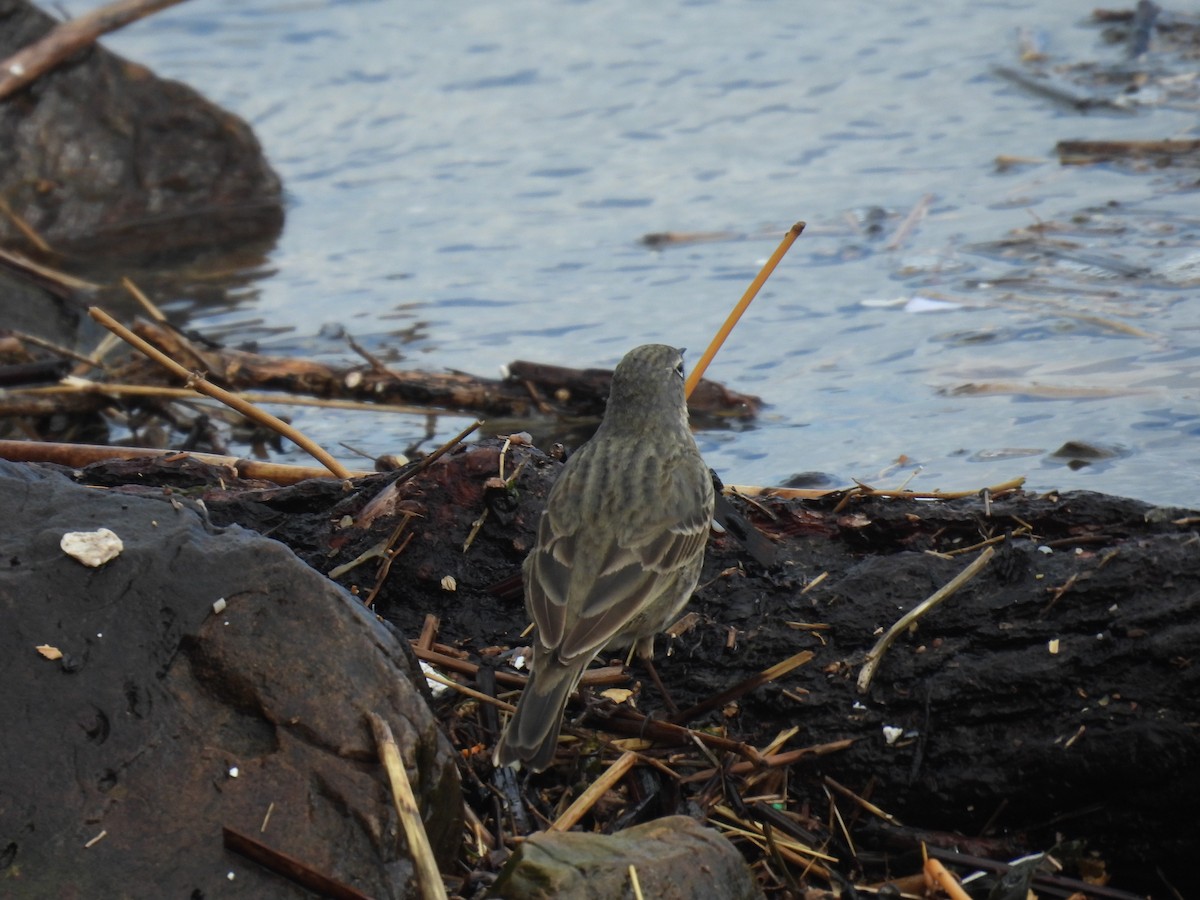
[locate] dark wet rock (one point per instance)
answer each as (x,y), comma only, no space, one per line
(101,155)
(164,721)
(675,858)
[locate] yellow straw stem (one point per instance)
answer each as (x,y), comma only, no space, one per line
(202,385)
(751,292)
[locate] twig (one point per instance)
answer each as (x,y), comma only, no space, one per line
(875,655)
(24,227)
(865,491)
(67,38)
(201,384)
(1058,592)
(634,883)
(779,759)
(429,878)
(289,867)
(915,215)
(941,876)
(372,360)
(754,681)
(78,455)
(470,692)
(760,279)
(861,801)
(429,629)
(631,723)
(427,461)
(800,853)
(1065,885)
(604,675)
(58,283)
(52,347)
(146,303)
(77,386)
(390,552)
(1057,90)
(836,815)
(594,792)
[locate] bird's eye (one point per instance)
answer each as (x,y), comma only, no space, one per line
(679,368)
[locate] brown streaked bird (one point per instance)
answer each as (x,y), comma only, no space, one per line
(619,545)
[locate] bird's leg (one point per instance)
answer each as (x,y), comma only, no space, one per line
(643,649)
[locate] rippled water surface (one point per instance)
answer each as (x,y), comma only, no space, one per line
(468,184)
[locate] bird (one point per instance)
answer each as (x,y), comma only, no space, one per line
(619,545)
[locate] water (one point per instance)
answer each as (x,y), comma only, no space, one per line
(467,184)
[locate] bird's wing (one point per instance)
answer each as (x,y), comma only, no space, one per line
(584,583)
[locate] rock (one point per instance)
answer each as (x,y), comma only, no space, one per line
(165,720)
(675,858)
(99,154)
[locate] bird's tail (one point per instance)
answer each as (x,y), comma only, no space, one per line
(532,733)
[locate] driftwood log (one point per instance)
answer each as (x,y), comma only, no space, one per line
(1050,703)
(531,391)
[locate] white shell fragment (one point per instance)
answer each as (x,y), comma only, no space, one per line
(92,548)
(435,687)
(219,606)
(449,583)
(49,652)
(891,734)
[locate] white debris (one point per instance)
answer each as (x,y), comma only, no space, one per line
(435,687)
(92,548)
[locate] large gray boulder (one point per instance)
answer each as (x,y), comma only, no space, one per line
(164,721)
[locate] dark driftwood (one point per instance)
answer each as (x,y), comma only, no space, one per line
(530,391)
(1162,153)
(1004,737)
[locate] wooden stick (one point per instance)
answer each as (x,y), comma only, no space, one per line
(760,279)
(749,490)
(915,215)
(767,675)
(771,762)
(875,655)
(204,386)
(147,304)
(111,389)
(429,878)
(24,227)
(79,455)
(289,867)
(941,876)
(469,692)
(605,675)
(597,789)
(863,802)
(67,38)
